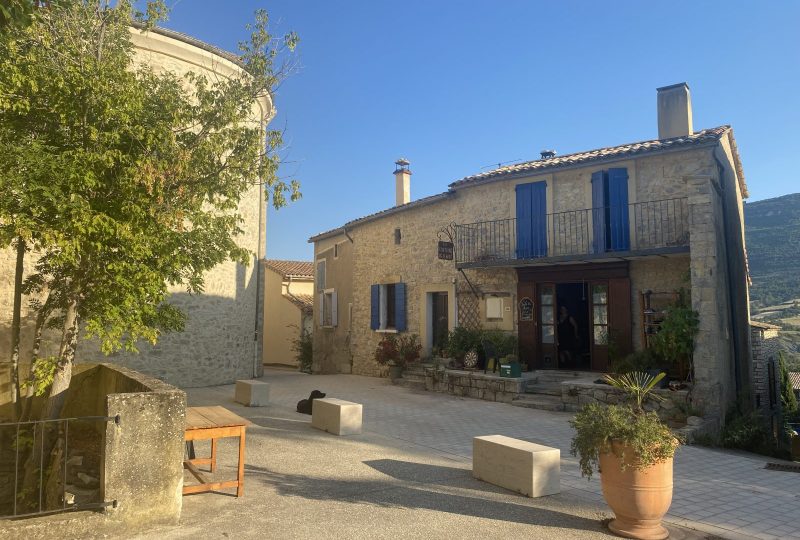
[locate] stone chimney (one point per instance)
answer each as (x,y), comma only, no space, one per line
(402,182)
(674,111)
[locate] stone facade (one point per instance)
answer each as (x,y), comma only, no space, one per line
(474,384)
(400,246)
(221,342)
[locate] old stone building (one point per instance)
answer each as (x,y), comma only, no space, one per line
(596,235)
(221,341)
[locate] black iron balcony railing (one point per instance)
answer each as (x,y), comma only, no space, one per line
(636,229)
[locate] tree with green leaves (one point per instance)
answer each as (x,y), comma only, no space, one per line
(120,181)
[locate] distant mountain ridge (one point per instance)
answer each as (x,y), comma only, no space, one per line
(772,232)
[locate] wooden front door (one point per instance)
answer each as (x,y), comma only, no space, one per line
(439,319)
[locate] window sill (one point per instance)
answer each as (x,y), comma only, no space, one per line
(386,331)
(327,327)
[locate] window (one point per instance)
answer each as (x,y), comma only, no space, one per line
(320,275)
(600,314)
(328,316)
(546,316)
(397,236)
(494,308)
(388,307)
(335,251)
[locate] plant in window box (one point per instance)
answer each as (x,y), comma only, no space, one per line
(633,450)
(388,354)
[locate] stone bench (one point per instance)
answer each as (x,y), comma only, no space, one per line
(336,416)
(528,468)
(252,393)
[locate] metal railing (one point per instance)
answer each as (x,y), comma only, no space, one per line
(639,227)
(35,446)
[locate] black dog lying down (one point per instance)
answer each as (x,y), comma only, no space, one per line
(304,405)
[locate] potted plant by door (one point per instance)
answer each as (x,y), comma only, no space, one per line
(633,450)
(388,354)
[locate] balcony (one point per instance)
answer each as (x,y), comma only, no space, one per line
(589,235)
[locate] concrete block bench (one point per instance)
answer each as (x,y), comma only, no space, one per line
(528,468)
(336,416)
(252,393)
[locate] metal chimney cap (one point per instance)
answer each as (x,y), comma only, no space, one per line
(402,165)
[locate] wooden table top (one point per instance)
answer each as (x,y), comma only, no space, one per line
(212,417)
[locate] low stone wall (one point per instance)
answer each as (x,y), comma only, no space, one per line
(142,465)
(574,394)
(474,384)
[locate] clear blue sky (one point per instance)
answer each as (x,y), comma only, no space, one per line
(456,86)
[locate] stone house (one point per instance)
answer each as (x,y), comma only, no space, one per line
(221,342)
(288,308)
(765,345)
(601,233)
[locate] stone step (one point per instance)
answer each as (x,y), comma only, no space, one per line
(540,402)
(544,389)
(413,384)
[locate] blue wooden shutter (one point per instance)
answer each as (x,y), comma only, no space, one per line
(618,209)
(598,212)
(524,211)
(400,307)
(539,221)
(531,220)
(375,307)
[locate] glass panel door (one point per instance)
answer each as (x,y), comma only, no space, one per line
(547,325)
(600,335)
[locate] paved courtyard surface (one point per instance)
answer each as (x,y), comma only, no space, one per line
(408,475)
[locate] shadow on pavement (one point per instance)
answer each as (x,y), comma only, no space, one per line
(391,495)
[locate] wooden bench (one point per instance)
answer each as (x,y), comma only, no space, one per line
(204,423)
(336,416)
(528,468)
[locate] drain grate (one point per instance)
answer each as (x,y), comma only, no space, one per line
(785,467)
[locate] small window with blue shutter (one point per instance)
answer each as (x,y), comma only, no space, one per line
(388,307)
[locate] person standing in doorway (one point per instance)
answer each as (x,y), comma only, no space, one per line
(567,337)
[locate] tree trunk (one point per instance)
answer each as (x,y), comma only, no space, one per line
(66,356)
(16,328)
(41,320)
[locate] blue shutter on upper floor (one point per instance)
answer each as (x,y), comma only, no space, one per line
(400,307)
(531,220)
(598,212)
(524,240)
(539,221)
(619,222)
(375,307)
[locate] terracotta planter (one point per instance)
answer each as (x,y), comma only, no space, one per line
(639,498)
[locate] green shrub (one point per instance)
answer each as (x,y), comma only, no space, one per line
(303,348)
(642,360)
(597,426)
(462,340)
(747,431)
(505,343)
(409,348)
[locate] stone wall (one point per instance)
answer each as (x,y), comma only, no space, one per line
(474,384)
(765,349)
(664,275)
(221,341)
(142,455)
(672,405)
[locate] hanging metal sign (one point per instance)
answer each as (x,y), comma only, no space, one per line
(445,250)
(526,309)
